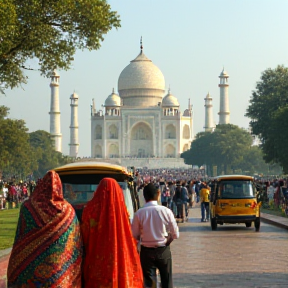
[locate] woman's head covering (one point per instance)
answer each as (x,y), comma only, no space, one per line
(48,245)
(111,258)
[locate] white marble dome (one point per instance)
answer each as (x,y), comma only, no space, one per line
(141,83)
(113,100)
(141,73)
(170,101)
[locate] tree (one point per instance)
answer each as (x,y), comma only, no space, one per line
(49,31)
(16,156)
(268,112)
(224,148)
(47,157)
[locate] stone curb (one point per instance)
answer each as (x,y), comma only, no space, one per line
(275,220)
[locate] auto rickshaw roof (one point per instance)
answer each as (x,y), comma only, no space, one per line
(234,177)
(91,167)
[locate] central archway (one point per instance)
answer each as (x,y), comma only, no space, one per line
(141,141)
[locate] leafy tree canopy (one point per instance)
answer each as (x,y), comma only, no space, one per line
(268,110)
(4,112)
(50,31)
(47,157)
(227,148)
(16,155)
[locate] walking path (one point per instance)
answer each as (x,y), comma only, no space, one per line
(194,216)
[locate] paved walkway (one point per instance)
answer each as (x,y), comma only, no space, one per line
(233,256)
(181,267)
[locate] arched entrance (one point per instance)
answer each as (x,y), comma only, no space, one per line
(113,132)
(170,151)
(185,147)
(170,132)
(186,132)
(141,143)
(113,151)
(98,151)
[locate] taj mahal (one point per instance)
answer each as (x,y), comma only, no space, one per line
(141,125)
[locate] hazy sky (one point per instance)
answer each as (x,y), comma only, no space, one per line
(189,40)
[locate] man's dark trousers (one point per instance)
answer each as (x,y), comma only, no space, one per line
(152,258)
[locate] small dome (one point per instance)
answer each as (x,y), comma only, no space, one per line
(208,96)
(224,73)
(113,100)
(186,112)
(74,96)
(170,100)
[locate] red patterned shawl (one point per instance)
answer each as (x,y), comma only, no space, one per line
(47,251)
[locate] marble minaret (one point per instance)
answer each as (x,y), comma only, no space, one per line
(74,141)
(224,112)
(55,129)
(209,123)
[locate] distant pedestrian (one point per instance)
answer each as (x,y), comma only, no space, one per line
(185,198)
(204,199)
(156,228)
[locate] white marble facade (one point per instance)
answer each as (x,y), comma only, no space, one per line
(141,121)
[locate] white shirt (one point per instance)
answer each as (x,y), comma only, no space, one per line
(152,223)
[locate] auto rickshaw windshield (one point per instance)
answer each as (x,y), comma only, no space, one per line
(236,189)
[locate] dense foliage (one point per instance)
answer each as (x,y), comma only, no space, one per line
(268,110)
(50,32)
(47,157)
(229,148)
(23,153)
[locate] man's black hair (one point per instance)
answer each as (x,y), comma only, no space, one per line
(150,192)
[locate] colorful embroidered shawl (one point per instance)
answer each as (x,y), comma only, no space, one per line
(47,251)
(111,258)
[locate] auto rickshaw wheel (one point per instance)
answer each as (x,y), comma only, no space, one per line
(257,224)
(213,223)
(248,224)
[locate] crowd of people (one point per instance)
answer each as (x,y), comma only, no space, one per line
(52,249)
(179,188)
(14,192)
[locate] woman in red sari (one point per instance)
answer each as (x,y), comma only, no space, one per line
(47,250)
(111,258)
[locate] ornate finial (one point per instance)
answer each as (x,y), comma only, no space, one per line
(113,90)
(169,89)
(141,46)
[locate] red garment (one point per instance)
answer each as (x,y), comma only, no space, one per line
(47,251)
(111,255)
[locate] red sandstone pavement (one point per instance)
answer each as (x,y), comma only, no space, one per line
(3,270)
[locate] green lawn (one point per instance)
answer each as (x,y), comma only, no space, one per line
(276,212)
(8,223)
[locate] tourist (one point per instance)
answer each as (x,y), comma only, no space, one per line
(204,199)
(185,198)
(111,257)
(47,250)
(155,226)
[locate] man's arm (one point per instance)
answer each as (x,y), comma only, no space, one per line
(173,228)
(135,227)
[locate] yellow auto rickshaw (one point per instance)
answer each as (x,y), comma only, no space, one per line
(234,200)
(80,180)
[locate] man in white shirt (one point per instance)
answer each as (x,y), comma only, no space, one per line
(155,226)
